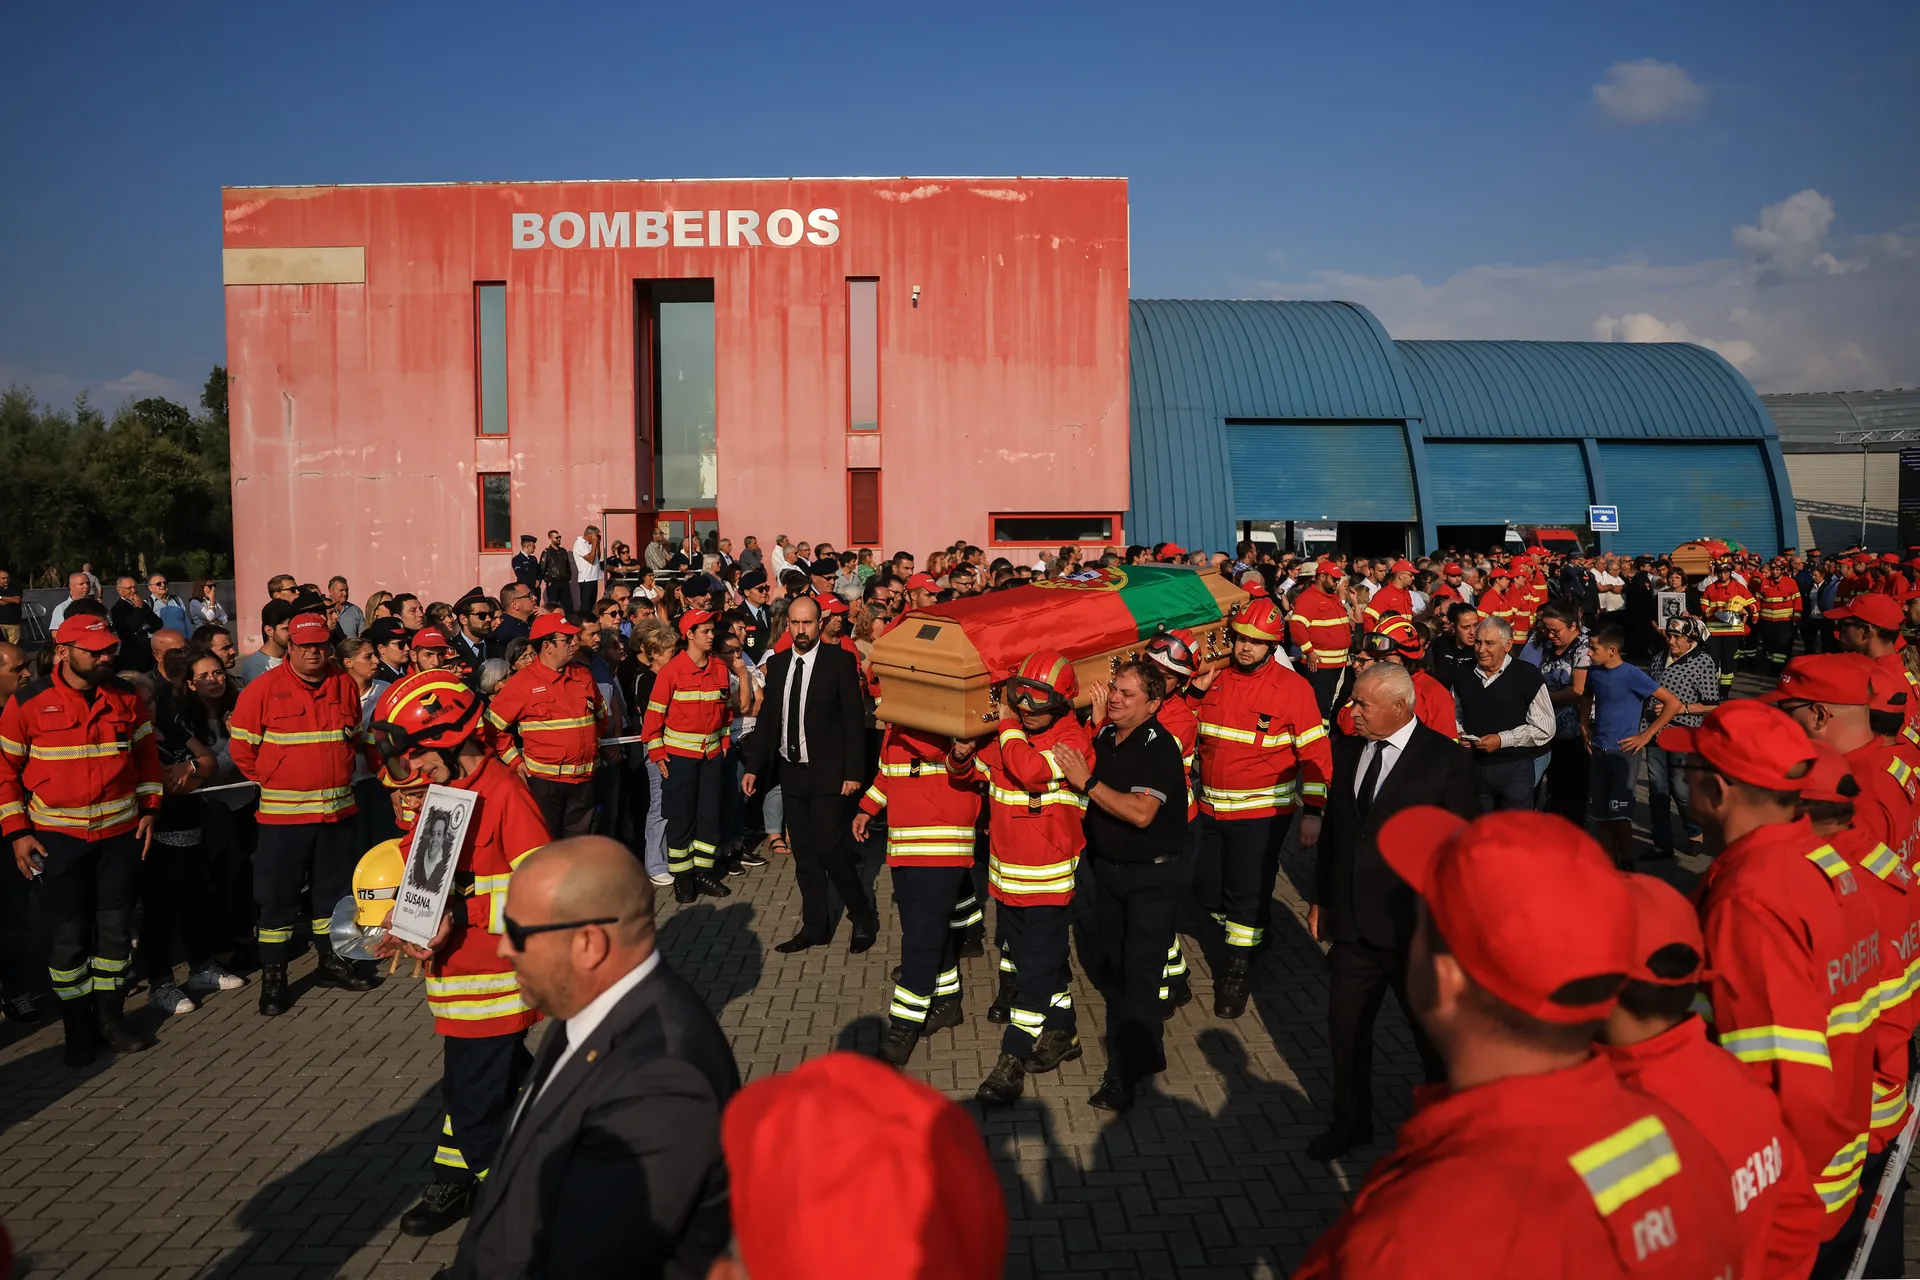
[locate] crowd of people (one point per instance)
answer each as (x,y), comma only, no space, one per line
(1455,742)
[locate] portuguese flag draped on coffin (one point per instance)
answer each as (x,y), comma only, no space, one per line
(937,666)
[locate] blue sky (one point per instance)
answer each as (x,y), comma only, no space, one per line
(1744,175)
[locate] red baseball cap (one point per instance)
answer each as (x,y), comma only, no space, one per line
(1526,901)
(312,628)
(1887,557)
(1452,566)
(1749,741)
(922,582)
(86,631)
(1521,562)
(1872,608)
(430,638)
(1831,777)
(1841,679)
(830,602)
(843,1166)
(1171,551)
(551,624)
(1662,918)
(693,618)
(1401,566)
(1328,566)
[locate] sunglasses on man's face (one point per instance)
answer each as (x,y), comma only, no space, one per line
(517,933)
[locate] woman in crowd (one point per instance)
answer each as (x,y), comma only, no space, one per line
(205,705)
(1688,671)
(205,609)
(359,660)
(376,605)
(520,652)
(173,900)
(1563,664)
(654,645)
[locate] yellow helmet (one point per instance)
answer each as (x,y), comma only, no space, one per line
(376,883)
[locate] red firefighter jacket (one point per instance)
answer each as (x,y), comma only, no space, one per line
(1778,599)
(1781,1220)
(1570,1175)
(1494,603)
(1901,680)
(297,740)
(1728,597)
(1035,828)
(1884,809)
(1793,947)
(1176,717)
(1322,628)
(1388,599)
(557,717)
(1526,599)
(930,813)
(1263,748)
(1888,886)
(687,712)
(85,768)
(471,991)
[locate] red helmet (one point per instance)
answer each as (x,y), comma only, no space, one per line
(426,709)
(1260,620)
(1172,653)
(1044,682)
(1394,634)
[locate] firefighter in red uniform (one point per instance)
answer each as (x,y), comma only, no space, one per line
(1831,696)
(1729,609)
(1792,949)
(429,725)
(1528,593)
(1450,590)
(1777,602)
(687,729)
(1400,640)
(1828,800)
(80,788)
(1036,840)
(1392,597)
(930,845)
(1871,626)
(1322,629)
(1658,1046)
(295,731)
(1263,753)
(1177,654)
(548,719)
(1496,601)
(1534,1160)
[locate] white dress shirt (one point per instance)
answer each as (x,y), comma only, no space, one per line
(588,1020)
(1389,750)
(799,675)
(1535,731)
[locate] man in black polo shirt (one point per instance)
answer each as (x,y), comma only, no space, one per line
(1136,827)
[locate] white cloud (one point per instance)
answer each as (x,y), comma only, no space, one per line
(1648,91)
(1790,308)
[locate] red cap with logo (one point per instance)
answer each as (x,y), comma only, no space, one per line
(1328,566)
(1662,918)
(551,624)
(1839,679)
(1451,569)
(430,638)
(1872,608)
(1402,566)
(830,603)
(922,582)
(843,1166)
(312,628)
(86,631)
(1750,742)
(693,618)
(1526,901)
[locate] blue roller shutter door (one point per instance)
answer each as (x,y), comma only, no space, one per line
(1673,493)
(1289,471)
(1490,483)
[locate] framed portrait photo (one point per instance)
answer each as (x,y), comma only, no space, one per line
(438,836)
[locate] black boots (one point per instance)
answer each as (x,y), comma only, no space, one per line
(1232,986)
(274,999)
(83,1038)
(441,1205)
(1004,1084)
(1115,1093)
(1179,992)
(897,1049)
(332,971)
(110,1018)
(945,1012)
(1002,1007)
(1052,1048)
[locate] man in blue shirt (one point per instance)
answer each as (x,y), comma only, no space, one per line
(171,612)
(1610,720)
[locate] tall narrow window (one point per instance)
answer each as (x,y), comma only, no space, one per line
(678,359)
(490,356)
(863,508)
(496,511)
(863,355)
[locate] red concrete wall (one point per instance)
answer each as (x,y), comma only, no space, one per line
(354,425)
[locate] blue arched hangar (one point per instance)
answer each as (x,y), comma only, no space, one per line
(1307,423)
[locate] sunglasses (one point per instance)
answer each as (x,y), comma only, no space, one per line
(481,615)
(517,934)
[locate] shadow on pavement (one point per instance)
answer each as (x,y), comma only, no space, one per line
(716,949)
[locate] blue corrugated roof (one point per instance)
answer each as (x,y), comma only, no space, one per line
(1608,390)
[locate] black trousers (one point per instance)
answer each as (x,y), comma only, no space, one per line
(690,802)
(567,806)
(176,900)
(1248,853)
(820,827)
(307,866)
(1326,687)
(480,1079)
(1504,784)
(1724,650)
(1569,770)
(87,890)
(1136,903)
(929,971)
(1361,975)
(1776,642)
(1037,941)
(21,974)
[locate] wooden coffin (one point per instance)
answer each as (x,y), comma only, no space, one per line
(1696,558)
(941,669)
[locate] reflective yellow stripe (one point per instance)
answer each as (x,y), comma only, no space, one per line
(470,984)
(1025,799)
(561,772)
(85,751)
(693,741)
(245,735)
(1626,1164)
(1210,730)
(933,833)
(12,809)
(699,695)
(1778,1044)
(477,1010)
(1228,800)
(84,817)
(544,726)
(324,800)
(1854,1016)
(875,794)
(1881,861)
(274,738)
(1828,861)
(491,884)
(13,748)
(1889,1105)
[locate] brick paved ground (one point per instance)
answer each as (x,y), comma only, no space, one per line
(243,1147)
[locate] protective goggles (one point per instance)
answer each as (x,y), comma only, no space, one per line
(1172,654)
(1377,645)
(1033,695)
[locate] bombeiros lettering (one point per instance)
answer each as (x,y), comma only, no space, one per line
(679,228)
(1760,1171)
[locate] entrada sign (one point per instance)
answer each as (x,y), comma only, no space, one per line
(657,228)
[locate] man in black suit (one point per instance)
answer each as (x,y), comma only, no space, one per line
(473,642)
(1359,905)
(811,742)
(612,1166)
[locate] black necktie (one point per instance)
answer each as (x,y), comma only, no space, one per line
(797,678)
(1370,780)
